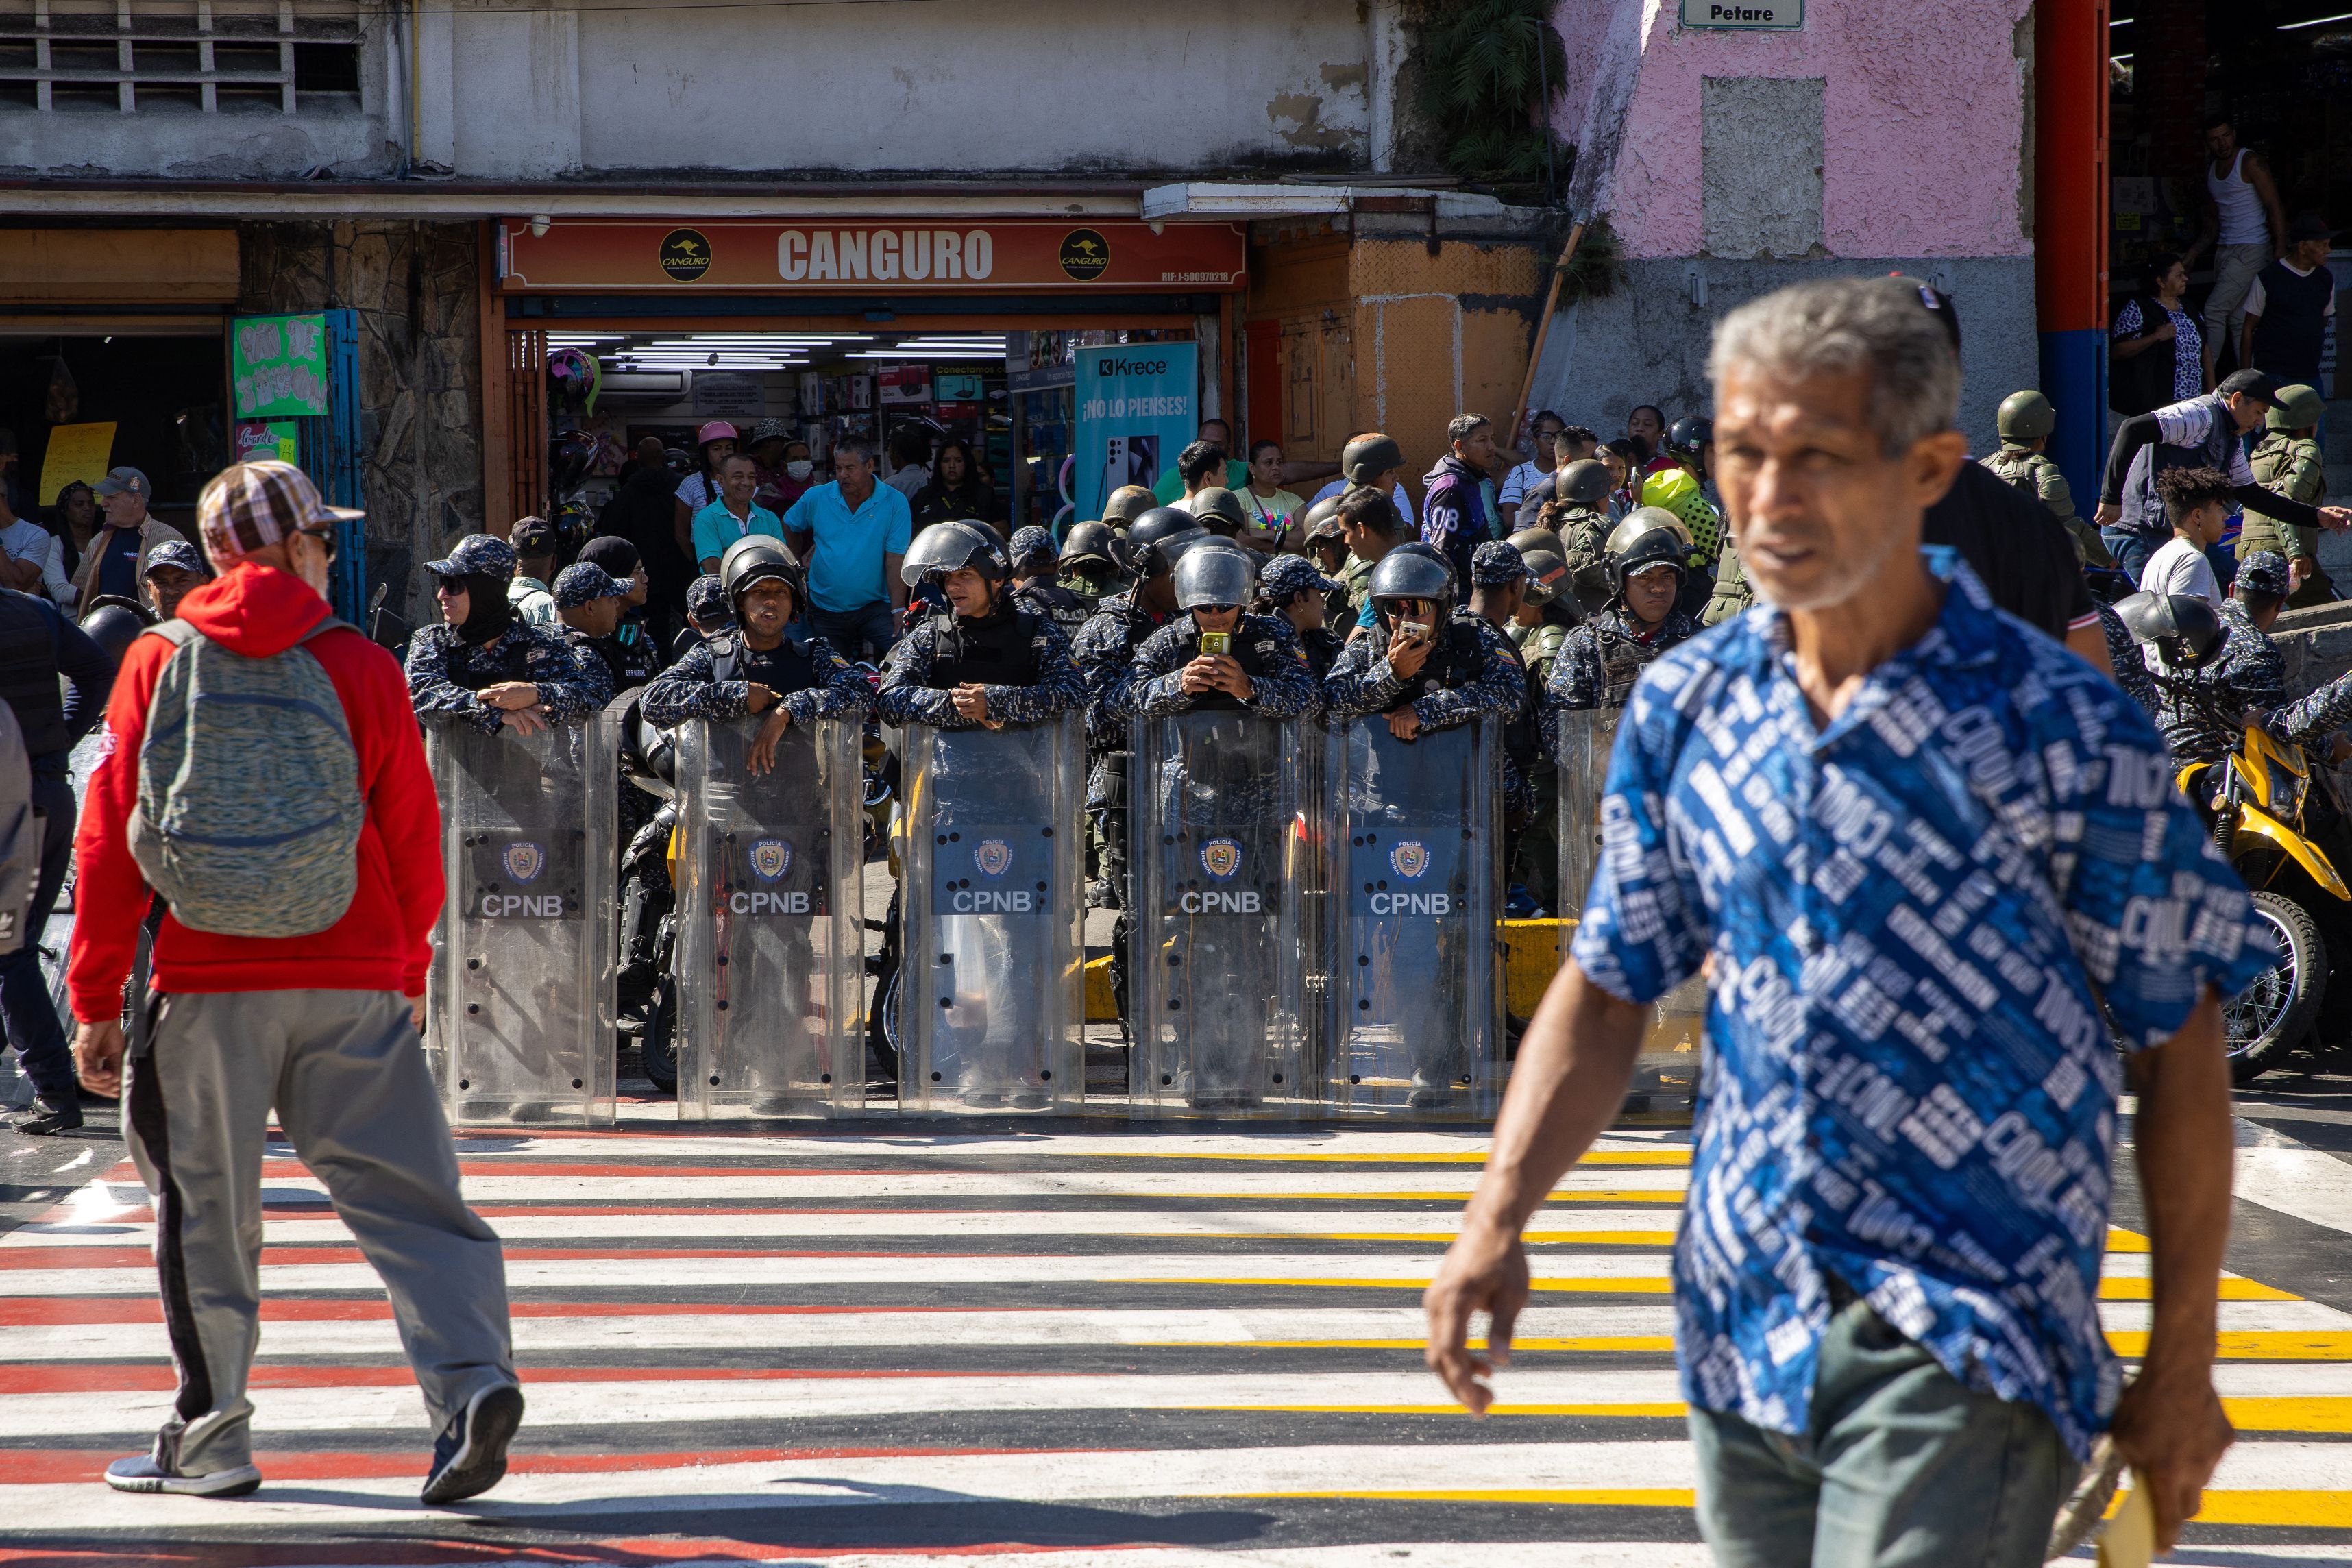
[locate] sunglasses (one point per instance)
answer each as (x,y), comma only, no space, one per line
(324,536)
(1410,606)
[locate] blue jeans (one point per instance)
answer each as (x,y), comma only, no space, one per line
(2130,550)
(1902,1466)
(27,1011)
(850,632)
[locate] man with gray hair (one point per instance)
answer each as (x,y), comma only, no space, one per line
(1913,846)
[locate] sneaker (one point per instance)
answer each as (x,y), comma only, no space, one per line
(1428,1094)
(141,1473)
(51,1116)
(470,1458)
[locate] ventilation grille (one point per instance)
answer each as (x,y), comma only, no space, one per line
(179,57)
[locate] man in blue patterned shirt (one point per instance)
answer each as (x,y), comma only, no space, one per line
(1912,845)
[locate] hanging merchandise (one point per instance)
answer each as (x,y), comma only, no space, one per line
(861,390)
(574,376)
(64,403)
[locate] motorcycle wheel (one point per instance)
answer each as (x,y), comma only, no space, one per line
(2262,1023)
(658,1044)
(882,1030)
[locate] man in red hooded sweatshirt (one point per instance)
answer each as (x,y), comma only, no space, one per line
(320,1025)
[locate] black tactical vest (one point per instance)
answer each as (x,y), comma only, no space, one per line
(1068,610)
(1000,650)
(783,669)
(1243,651)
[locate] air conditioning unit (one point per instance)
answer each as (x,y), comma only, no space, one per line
(641,388)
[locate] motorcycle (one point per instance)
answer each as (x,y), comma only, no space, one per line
(2259,804)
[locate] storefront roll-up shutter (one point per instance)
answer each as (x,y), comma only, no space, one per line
(526,389)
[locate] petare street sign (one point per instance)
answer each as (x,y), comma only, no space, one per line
(1745,16)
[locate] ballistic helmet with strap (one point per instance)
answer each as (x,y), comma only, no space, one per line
(1156,540)
(2026,416)
(1584,482)
(1367,458)
(1216,575)
(1649,536)
(1128,503)
(1087,541)
(946,547)
(1322,519)
(755,558)
(2298,408)
(2182,627)
(1528,539)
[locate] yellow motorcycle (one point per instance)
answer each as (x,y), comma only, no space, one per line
(2255,802)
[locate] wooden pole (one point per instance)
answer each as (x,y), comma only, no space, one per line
(1543,330)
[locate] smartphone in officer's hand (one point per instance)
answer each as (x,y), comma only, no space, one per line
(1412,631)
(1218,644)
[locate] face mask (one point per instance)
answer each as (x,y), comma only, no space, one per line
(800,467)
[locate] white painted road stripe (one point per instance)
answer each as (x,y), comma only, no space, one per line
(1421,1182)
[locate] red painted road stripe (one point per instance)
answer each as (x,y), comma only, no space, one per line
(50,1312)
(34,1467)
(155,1377)
(103,1257)
(281,1170)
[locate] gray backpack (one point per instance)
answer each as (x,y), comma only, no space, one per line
(249,809)
(20,835)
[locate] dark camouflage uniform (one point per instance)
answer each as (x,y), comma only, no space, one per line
(1361,682)
(1283,685)
(2123,653)
(1068,610)
(2314,718)
(1598,661)
(1103,651)
(907,698)
(445,671)
(690,688)
(2202,711)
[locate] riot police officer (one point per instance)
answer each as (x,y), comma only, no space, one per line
(1088,570)
(984,973)
(1648,557)
(1036,564)
(1293,589)
(1258,664)
(768,662)
(1103,652)
(2025,421)
(1579,514)
(485,665)
(1425,666)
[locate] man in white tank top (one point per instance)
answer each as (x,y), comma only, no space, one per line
(2243,223)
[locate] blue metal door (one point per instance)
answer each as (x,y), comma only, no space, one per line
(331,456)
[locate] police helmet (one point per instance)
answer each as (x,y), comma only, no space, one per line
(1690,433)
(946,547)
(114,625)
(1322,521)
(2182,627)
(1215,575)
(1584,482)
(1087,541)
(756,556)
(1217,505)
(1528,539)
(2298,408)
(1547,573)
(2026,416)
(1412,572)
(1367,458)
(1156,540)
(1128,503)
(1649,536)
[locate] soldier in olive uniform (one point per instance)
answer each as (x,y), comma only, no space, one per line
(1087,567)
(1578,512)
(1327,547)
(2287,462)
(1649,555)
(2025,421)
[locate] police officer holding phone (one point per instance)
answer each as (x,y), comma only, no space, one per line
(1425,665)
(1216,654)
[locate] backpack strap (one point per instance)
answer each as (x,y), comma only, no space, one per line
(180,633)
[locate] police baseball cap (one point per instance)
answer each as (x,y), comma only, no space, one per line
(477,555)
(2262,572)
(124,480)
(1496,563)
(583,580)
(706,599)
(1287,576)
(1029,540)
(172,552)
(2254,383)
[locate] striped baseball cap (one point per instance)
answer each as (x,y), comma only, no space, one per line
(251,506)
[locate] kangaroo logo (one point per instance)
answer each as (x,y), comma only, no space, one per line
(524,862)
(1410,858)
(771,858)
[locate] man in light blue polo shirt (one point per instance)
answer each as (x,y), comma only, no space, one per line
(733,515)
(852,533)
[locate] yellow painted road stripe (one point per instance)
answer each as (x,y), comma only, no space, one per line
(2262,1414)
(2260,1344)
(2307,1510)
(2233,1289)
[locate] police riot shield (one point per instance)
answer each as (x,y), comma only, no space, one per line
(1416,859)
(992,980)
(769,962)
(1665,1074)
(1218,1021)
(519,1013)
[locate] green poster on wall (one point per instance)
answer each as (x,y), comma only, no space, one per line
(278,365)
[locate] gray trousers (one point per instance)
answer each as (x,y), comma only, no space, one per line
(348,1077)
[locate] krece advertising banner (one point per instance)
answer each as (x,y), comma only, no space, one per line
(1137,407)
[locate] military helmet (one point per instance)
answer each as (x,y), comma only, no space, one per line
(1221,504)
(114,625)
(1528,539)
(1546,574)
(1216,575)
(2298,408)
(756,556)
(1156,540)
(1087,541)
(946,547)
(2026,416)
(1649,536)
(1584,482)
(1367,458)
(1689,433)
(1412,571)
(1126,504)
(1322,519)
(2182,627)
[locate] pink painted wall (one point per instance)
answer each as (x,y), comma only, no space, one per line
(1925,109)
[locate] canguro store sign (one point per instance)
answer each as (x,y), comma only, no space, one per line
(752,256)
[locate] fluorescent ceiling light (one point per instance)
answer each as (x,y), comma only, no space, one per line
(2314,22)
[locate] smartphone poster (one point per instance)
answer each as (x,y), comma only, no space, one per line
(1137,407)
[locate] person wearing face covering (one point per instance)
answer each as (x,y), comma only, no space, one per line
(485,665)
